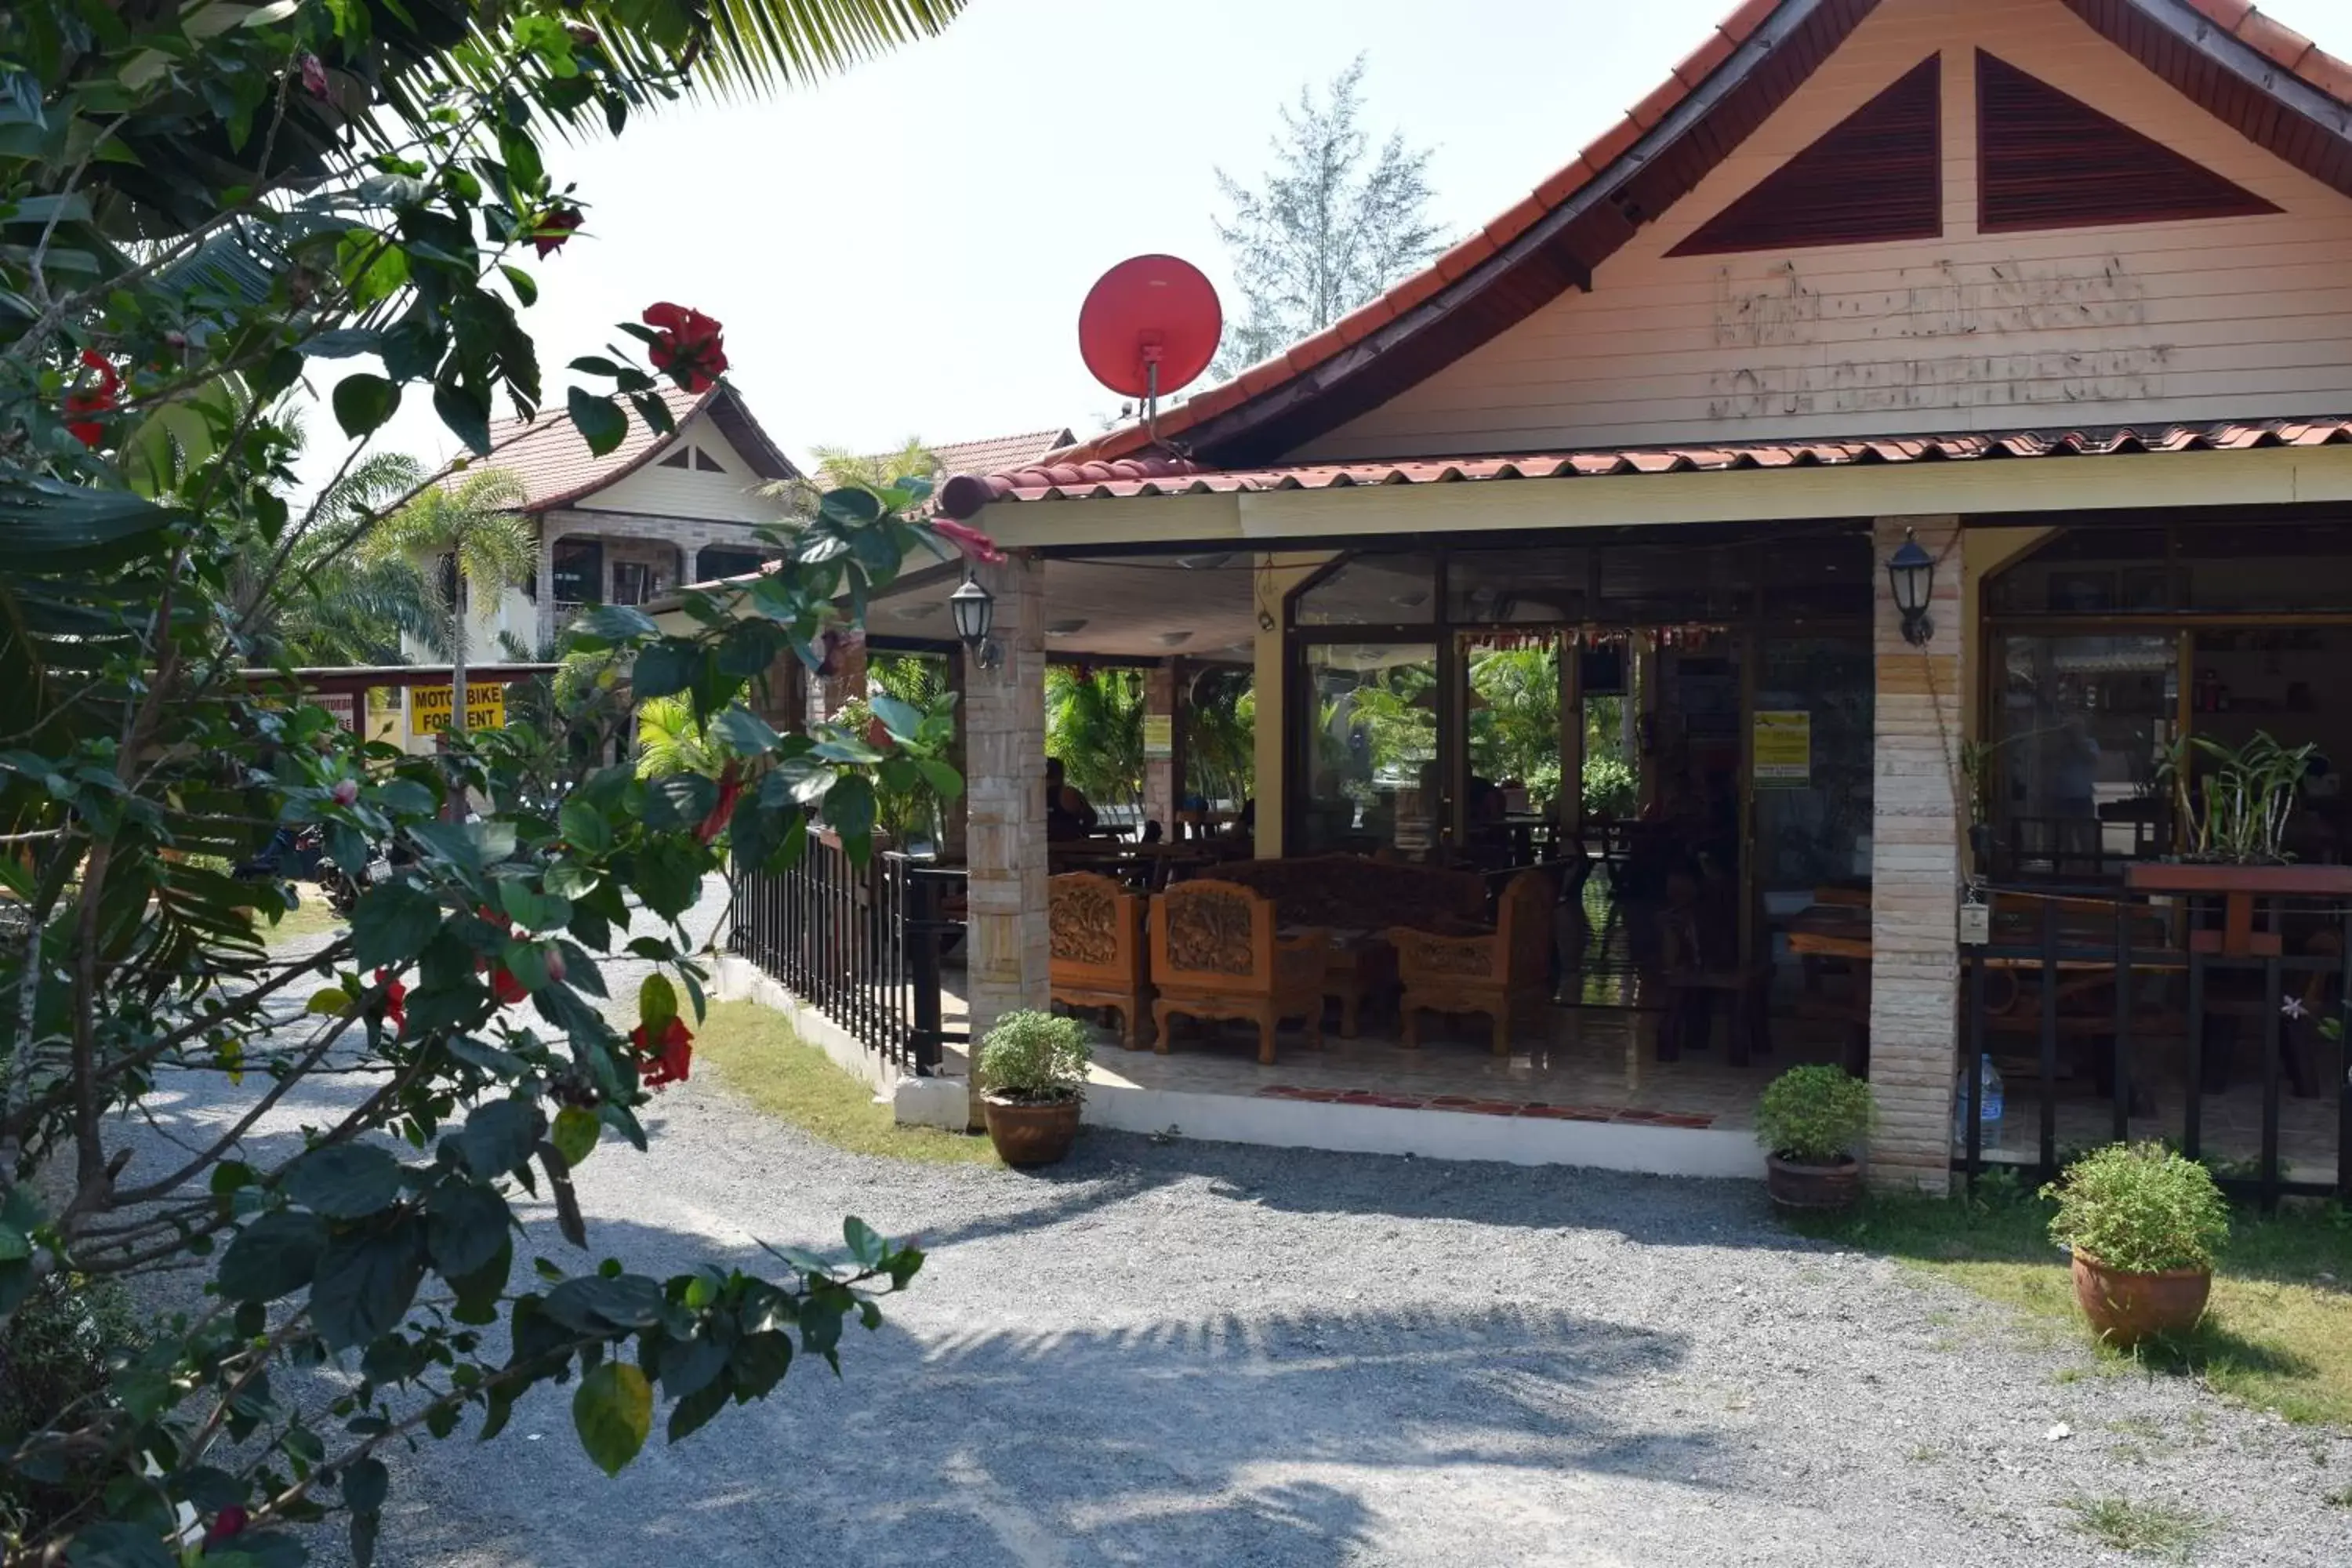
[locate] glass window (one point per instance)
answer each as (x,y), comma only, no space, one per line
(1665,585)
(1514,587)
(2301,566)
(1374,591)
(2091,570)
(578,571)
(1811,758)
(1372,775)
(719,561)
(2070,770)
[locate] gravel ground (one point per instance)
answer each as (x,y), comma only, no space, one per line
(1178,1353)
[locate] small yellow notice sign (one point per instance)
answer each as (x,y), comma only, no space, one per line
(428,707)
(1782,756)
(1158,737)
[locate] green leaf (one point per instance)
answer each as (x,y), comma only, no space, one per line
(585,828)
(593,1304)
(656,1002)
(865,1244)
(119,1543)
(497,1138)
(344,1181)
(614,1414)
(532,911)
(526,289)
(746,732)
(466,1226)
(668,877)
(695,1410)
(275,1256)
(14,1246)
(365,1284)
(901,719)
(945,781)
(363,401)
(598,420)
(665,667)
(687,1366)
(466,412)
(391,924)
(365,1484)
(575,1133)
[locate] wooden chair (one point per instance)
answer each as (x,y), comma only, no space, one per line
(1501,973)
(1215,954)
(1095,955)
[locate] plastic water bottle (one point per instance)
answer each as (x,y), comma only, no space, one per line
(1991,1102)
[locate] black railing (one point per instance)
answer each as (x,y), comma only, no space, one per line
(2179,1037)
(861,944)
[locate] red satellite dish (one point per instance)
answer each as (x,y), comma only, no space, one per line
(1149,325)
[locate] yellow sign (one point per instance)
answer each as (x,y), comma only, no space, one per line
(428,707)
(1782,756)
(1158,737)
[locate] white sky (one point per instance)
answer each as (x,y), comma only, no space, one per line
(903,250)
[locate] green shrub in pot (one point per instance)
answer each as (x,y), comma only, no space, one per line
(2140,1208)
(1817,1115)
(1036,1059)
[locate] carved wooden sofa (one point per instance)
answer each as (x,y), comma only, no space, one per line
(1505,973)
(1095,949)
(1215,954)
(1348,892)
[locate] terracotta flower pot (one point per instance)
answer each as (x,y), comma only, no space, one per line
(1812,1187)
(2126,1308)
(1031,1134)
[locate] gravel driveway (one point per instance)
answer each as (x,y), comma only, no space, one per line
(1178,1353)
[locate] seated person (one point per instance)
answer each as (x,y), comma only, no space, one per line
(1067,815)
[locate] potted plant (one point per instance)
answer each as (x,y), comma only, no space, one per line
(1033,1077)
(1812,1121)
(2143,1224)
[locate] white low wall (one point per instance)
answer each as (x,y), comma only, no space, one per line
(1428,1133)
(914,1101)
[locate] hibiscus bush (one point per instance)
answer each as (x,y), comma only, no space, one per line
(205,211)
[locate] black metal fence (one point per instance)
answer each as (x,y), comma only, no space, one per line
(863,945)
(2115,1016)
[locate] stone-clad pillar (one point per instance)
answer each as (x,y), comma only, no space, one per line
(1916,836)
(1163,778)
(1004,784)
(954,816)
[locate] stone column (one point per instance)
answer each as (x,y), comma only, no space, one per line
(955,815)
(1004,784)
(847,684)
(1915,867)
(1163,778)
(543,575)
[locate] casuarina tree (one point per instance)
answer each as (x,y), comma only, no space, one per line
(1333,221)
(201,209)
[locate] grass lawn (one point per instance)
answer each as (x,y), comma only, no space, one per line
(754,1053)
(2278,1334)
(315,917)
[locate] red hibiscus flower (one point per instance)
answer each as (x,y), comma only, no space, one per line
(671,1061)
(731,786)
(688,350)
(314,77)
(395,999)
(229,1521)
(555,226)
(99,398)
(509,989)
(970,539)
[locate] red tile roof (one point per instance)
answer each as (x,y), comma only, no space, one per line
(2272,39)
(548,455)
(1160,475)
(998,454)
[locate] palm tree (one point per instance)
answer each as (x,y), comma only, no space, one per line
(1094,726)
(671,742)
(478,523)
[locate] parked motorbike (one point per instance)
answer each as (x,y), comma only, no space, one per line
(344,888)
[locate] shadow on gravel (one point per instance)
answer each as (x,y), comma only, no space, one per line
(1662,1211)
(1240,1437)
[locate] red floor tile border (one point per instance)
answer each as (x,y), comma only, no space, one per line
(1536,1109)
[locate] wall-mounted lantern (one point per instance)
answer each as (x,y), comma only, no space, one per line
(975,613)
(1911,571)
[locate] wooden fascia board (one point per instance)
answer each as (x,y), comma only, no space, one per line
(1323,380)
(2199,36)
(2011,486)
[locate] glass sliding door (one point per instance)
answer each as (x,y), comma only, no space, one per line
(1371,769)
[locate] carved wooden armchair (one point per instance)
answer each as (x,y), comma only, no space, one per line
(1503,974)
(1095,952)
(1215,954)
